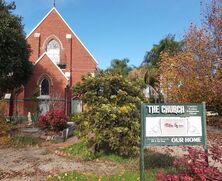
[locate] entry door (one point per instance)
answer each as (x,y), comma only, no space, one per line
(76,106)
(43,107)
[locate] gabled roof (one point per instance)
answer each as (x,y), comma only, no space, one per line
(45,54)
(66,25)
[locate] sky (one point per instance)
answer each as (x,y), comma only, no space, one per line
(119,29)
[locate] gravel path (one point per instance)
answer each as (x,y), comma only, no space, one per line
(36,163)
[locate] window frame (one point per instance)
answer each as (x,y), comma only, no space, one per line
(40,86)
(53,50)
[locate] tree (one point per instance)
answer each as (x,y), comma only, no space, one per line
(150,64)
(168,44)
(195,74)
(184,79)
(112,115)
(212,27)
(136,76)
(15,69)
(120,67)
(146,77)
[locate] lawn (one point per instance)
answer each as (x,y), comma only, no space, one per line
(128,168)
(122,176)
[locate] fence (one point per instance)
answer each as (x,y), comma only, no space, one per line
(17,110)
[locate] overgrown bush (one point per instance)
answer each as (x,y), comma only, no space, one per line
(54,120)
(157,160)
(112,116)
(3,125)
(115,129)
(215,121)
(195,167)
(81,150)
(2,107)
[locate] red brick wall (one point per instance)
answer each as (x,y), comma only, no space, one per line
(44,67)
(54,26)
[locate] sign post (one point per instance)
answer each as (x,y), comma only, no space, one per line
(142,144)
(172,124)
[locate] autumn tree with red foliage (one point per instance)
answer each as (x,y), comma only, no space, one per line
(195,74)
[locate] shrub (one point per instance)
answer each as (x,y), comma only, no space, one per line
(25,141)
(2,108)
(80,150)
(4,126)
(113,113)
(215,121)
(157,160)
(195,167)
(43,122)
(53,120)
(115,129)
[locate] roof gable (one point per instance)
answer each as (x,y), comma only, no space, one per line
(42,58)
(55,10)
(40,22)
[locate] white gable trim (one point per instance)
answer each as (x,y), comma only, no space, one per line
(67,26)
(40,58)
(37,61)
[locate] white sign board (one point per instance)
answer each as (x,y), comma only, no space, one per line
(173,126)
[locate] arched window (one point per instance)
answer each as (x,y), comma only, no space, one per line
(44,89)
(53,51)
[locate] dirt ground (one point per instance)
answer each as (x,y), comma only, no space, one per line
(36,163)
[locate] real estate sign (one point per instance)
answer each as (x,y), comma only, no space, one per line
(173,124)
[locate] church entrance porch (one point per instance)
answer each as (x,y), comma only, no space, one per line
(43,104)
(76,106)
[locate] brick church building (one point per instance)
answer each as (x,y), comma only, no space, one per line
(60,59)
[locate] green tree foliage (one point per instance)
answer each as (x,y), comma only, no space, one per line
(136,76)
(168,44)
(119,66)
(112,115)
(150,64)
(145,77)
(150,77)
(14,50)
